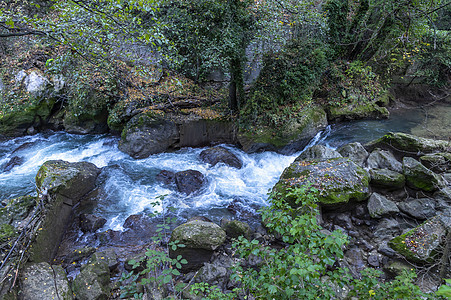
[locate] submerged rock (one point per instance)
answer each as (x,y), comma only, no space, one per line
(189,181)
(338,180)
(420,177)
(216,155)
(166,177)
(14,161)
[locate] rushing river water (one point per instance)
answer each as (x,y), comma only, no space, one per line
(128,186)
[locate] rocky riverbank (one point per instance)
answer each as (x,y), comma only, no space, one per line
(391,197)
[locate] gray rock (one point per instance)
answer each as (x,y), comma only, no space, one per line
(20,76)
(216,155)
(444,194)
(199,234)
(318,152)
(387,179)
(379,206)
(421,209)
(93,282)
(91,223)
(404,142)
(107,255)
(381,159)
(35,83)
(147,134)
(387,229)
(235,228)
(354,151)
(213,274)
(200,239)
(337,179)
(70,180)
(42,281)
(421,243)
(437,162)
(420,177)
(189,181)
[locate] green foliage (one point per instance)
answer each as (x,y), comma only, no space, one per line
(289,78)
(158,269)
(445,289)
(293,272)
(402,287)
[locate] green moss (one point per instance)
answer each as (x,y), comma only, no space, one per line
(7,232)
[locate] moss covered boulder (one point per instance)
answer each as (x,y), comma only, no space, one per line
(92,282)
(388,179)
(61,184)
(66,179)
(420,177)
(318,152)
(354,151)
(235,229)
(148,133)
(16,210)
(355,110)
(338,180)
(409,144)
(437,162)
(291,137)
(423,243)
(200,238)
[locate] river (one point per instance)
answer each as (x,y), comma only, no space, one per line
(127,186)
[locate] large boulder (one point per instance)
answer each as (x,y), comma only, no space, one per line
(46,282)
(379,206)
(200,238)
(381,159)
(216,155)
(93,281)
(66,179)
(338,180)
(146,134)
(354,151)
(189,181)
(318,152)
(293,137)
(420,177)
(357,110)
(387,179)
(62,184)
(406,143)
(421,209)
(423,243)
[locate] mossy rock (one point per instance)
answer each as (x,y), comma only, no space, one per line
(357,110)
(93,281)
(17,209)
(235,229)
(338,180)
(7,232)
(71,180)
(422,243)
(409,144)
(420,177)
(437,162)
(199,235)
(293,136)
(32,113)
(148,133)
(86,123)
(387,179)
